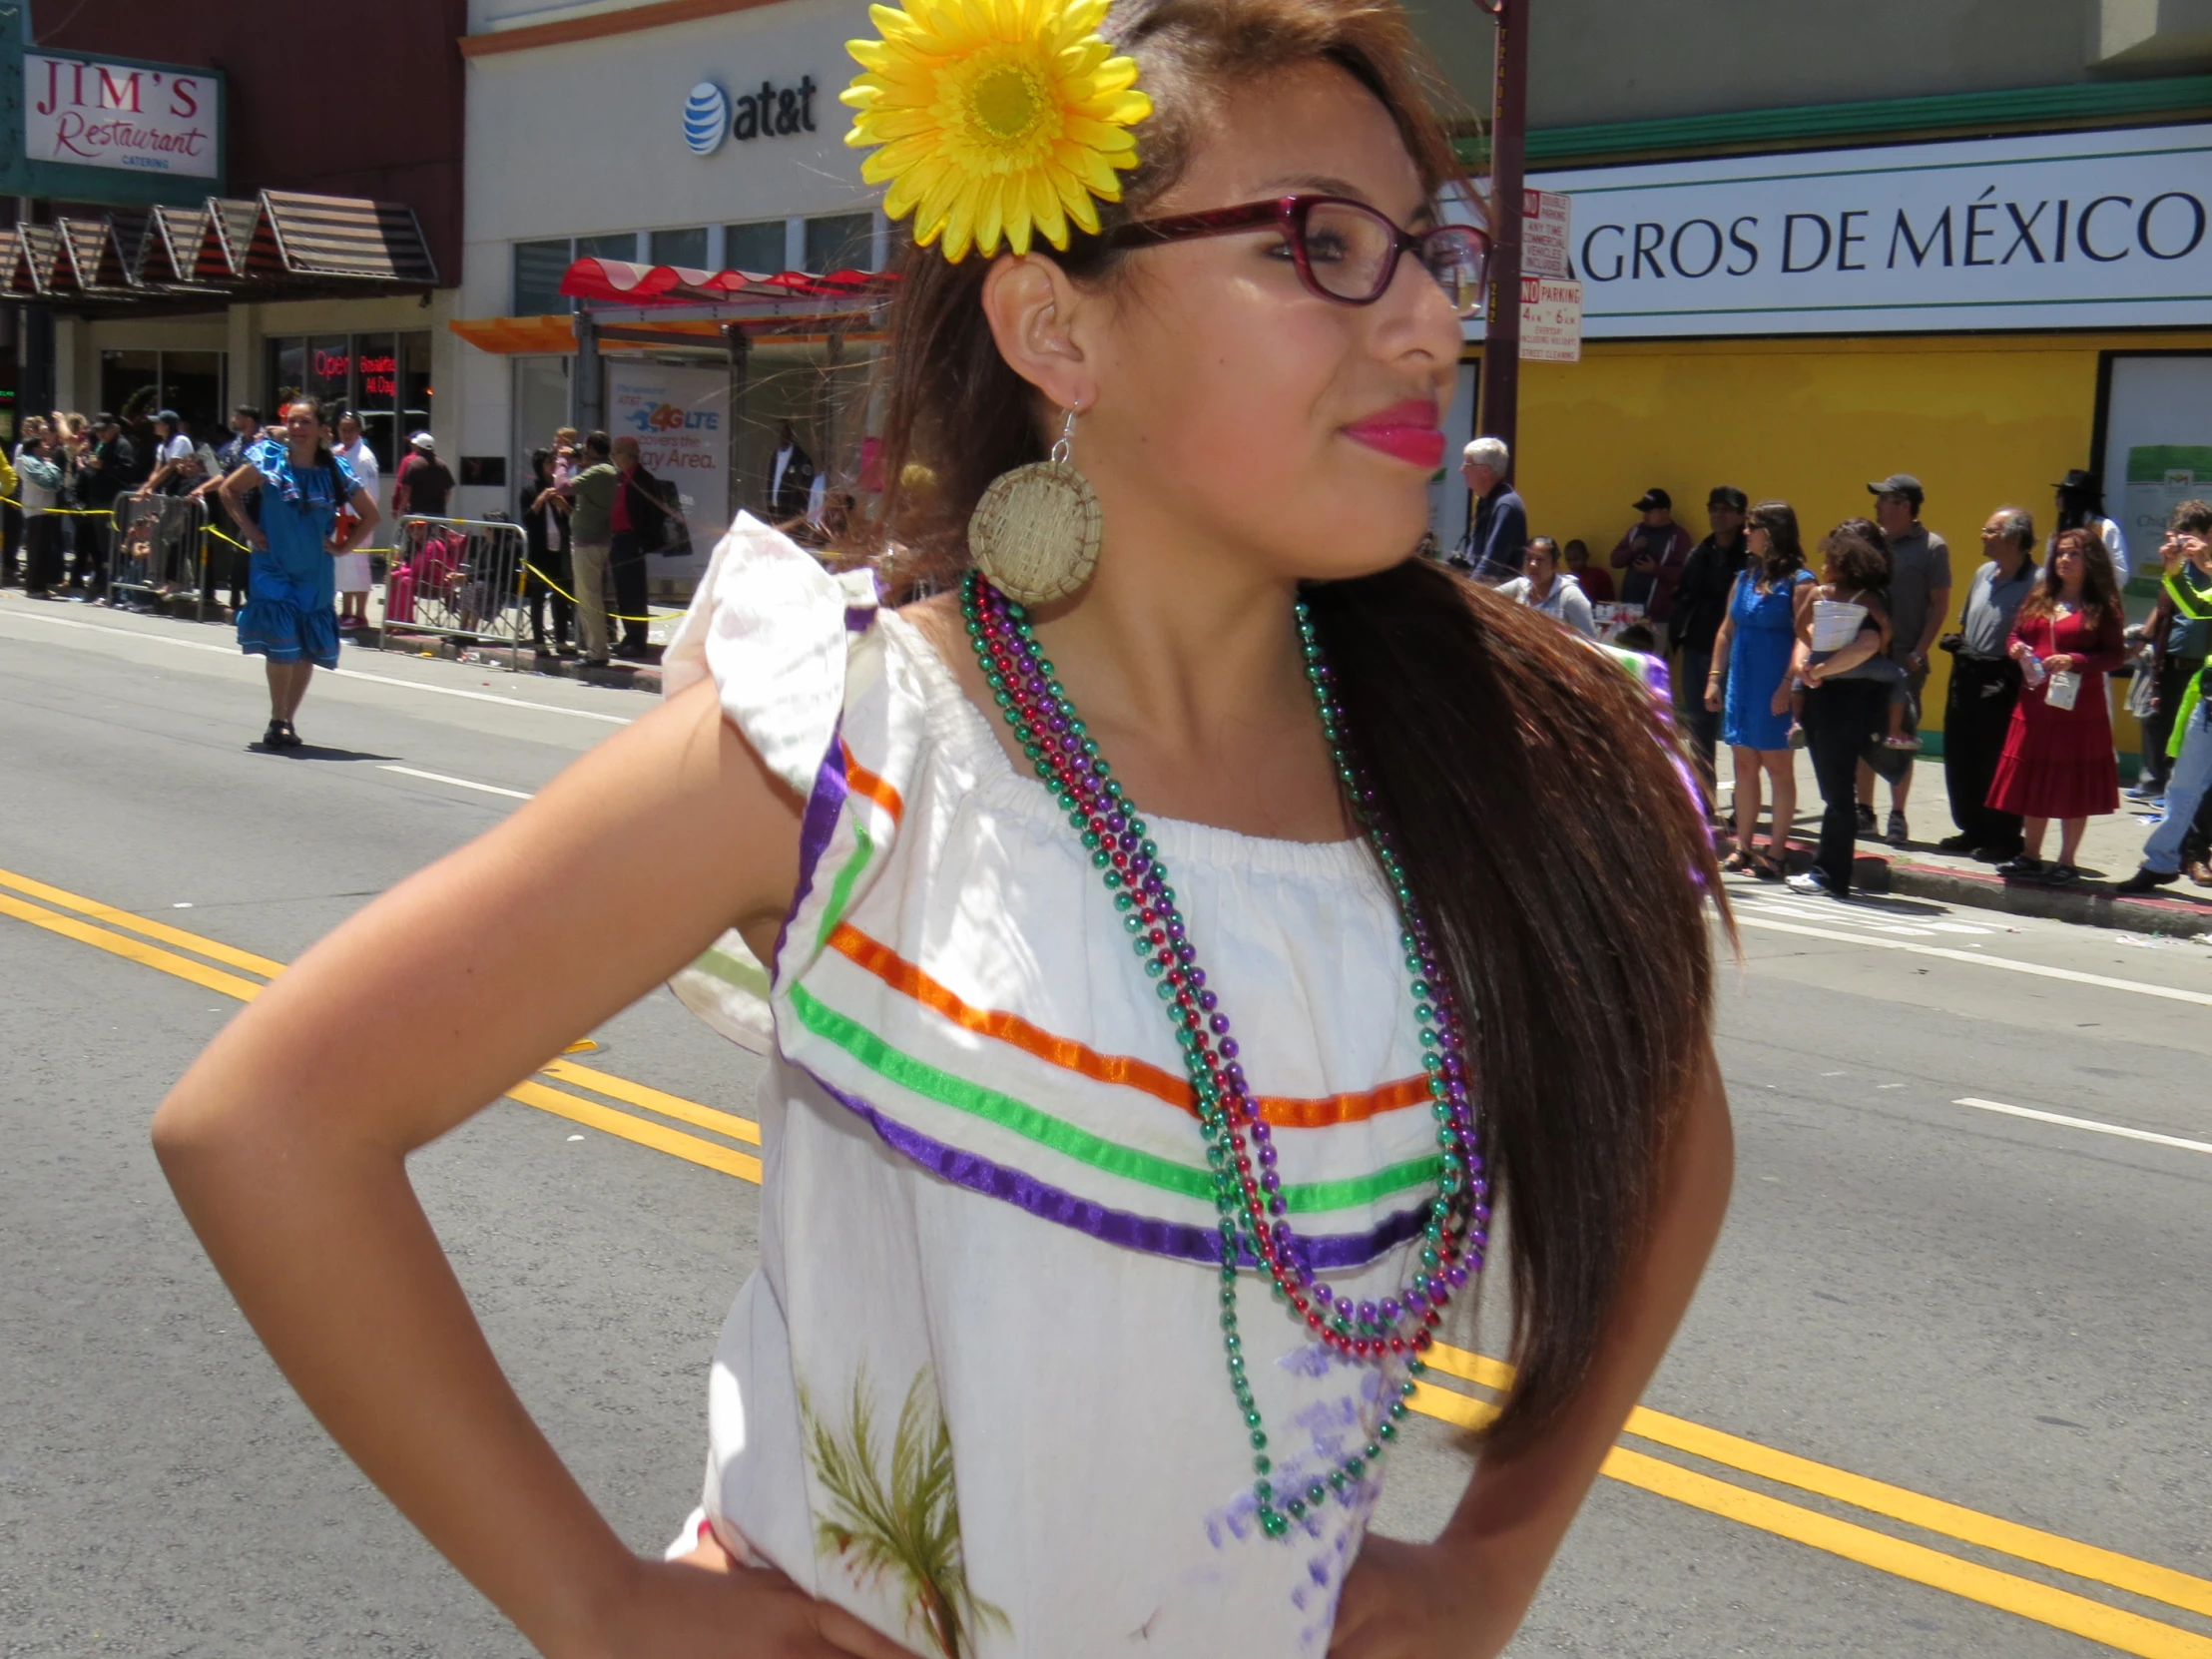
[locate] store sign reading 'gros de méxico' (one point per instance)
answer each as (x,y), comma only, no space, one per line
(141,117)
(2055,231)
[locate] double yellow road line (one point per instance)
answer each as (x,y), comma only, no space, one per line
(620,1111)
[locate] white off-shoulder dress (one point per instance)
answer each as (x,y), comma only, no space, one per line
(976,1391)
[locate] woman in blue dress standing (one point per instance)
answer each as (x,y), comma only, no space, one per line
(286,498)
(1750,660)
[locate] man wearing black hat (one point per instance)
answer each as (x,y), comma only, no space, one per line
(1700,607)
(1920,599)
(2081,507)
(1653,553)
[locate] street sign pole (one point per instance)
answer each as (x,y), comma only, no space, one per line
(1497,410)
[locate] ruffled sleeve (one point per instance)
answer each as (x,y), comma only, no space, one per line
(774,630)
(771,627)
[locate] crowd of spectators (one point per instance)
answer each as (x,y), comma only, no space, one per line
(1768,656)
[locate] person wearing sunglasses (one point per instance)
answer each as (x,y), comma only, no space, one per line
(1166,919)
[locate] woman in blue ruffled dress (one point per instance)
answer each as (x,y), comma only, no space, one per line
(286,498)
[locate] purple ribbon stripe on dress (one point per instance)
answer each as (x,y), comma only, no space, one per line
(1183,1243)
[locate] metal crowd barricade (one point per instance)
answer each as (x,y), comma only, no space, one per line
(458,578)
(159,547)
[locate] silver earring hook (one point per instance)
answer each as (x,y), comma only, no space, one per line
(1064,450)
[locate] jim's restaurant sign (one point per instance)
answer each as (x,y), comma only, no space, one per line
(109,130)
(2058,231)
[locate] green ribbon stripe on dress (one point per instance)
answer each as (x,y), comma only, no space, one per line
(841,890)
(1188,1179)
(734,971)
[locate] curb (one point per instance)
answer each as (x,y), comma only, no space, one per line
(2084,906)
(645,676)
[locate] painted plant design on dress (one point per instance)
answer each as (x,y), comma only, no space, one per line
(899,1526)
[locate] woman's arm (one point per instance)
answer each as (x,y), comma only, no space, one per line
(1724,642)
(1464,1595)
(1575,606)
(234,490)
(286,1144)
(366,518)
(2107,650)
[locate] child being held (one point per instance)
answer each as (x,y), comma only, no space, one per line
(1847,605)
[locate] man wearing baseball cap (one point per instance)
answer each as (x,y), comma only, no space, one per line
(1653,553)
(1920,599)
(1700,607)
(422,484)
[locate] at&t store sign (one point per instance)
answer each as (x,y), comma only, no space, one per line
(768,111)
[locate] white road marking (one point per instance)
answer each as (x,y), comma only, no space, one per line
(1878,922)
(341,673)
(2172,993)
(2090,1124)
(458,783)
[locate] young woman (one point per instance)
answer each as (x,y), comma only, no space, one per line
(1842,704)
(1146,1300)
(354,572)
(286,501)
(1542,587)
(2059,761)
(1749,686)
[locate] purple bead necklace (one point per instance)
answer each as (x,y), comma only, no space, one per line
(1240,1147)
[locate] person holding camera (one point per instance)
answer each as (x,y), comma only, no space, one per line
(1984,686)
(2187,560)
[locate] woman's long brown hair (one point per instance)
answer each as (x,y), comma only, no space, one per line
(2100,583)
(1549,835)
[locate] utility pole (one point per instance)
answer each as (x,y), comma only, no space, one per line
(1496,414)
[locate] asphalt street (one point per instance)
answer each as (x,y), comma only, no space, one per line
(1945,1391)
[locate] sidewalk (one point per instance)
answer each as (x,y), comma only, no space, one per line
(2111,851)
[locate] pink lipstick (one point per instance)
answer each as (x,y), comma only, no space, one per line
(1406,431)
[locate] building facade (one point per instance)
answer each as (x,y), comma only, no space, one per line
(373,340)
(1963,239)
(1960,238)
(705,138)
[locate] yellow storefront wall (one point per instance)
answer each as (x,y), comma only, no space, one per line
(1981,420)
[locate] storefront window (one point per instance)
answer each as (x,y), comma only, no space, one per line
(331,370)
(384,379)
(287,372)
(131,383)
(135,383)
(540,409)
(539,267)
(841,242)
(376,391)
(414,385)
(192,385)
(620,245)
(757,248)
(683,248)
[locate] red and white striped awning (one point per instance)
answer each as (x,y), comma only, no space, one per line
(621,283)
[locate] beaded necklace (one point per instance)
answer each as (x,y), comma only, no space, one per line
(1240,1148)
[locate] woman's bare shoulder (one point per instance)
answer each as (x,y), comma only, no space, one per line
(938,620)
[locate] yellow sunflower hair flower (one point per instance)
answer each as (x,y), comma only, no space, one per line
(996,119)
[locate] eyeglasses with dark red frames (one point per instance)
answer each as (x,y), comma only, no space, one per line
(1358,271)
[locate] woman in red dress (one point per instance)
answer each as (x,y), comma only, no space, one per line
(2059,761)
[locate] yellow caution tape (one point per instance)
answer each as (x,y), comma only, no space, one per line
(108,513)
(612,616)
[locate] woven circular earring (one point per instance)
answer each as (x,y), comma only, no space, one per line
(1035,533)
